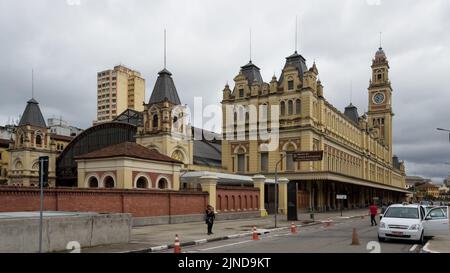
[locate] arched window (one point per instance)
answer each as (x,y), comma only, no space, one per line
(178,155)
(240,202)
(227,204)
(290,166)
(290,106)
(298,106)
(155,121)
(241,160)
(142,183)
(21,139)
(282,108)
(251,202)
(233,203)
(93,182)
(38,140)
(35,166)
(109,182)
(163,184)
(219,202)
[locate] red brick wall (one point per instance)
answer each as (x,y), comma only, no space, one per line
(234,199)
(140,203)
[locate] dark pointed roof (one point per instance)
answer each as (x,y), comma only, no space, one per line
(32,115)
(352,113)
(164,89)
(251,72)
(296,60)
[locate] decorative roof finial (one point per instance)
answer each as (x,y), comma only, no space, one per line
(32,83)
(380,40)
(250,45)
(164,48)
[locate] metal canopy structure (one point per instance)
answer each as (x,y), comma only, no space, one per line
(222,177)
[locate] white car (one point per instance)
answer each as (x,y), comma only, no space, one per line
(413,222)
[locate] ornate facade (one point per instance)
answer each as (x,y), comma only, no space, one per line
(357,150)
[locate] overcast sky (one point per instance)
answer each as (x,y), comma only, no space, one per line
(68,41)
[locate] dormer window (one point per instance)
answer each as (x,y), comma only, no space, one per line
(241,93)
(38,140)
(290,85)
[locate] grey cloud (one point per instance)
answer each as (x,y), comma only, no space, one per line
(208,42)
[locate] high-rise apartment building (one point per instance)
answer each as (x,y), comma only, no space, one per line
(117,90)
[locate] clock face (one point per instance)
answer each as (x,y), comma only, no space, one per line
(378,98)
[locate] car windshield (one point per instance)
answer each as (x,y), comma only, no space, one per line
(398,212)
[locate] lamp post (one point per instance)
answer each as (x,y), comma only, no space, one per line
(276,187)
(445,130)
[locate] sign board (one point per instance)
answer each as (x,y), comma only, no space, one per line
(341,196)
(308,156)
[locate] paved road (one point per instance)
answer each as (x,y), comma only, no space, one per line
(311,239)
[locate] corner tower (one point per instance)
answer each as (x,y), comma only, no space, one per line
(380,99)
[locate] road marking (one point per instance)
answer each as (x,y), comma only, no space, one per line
(413,248)
(210,248)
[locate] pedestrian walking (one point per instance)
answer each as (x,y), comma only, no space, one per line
(383,210)
(373,210)
(209,218)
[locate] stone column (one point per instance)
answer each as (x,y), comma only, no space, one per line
(259,182)
(81,174)
(209,184)
(282,195)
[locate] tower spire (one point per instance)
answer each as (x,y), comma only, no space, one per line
(164,48)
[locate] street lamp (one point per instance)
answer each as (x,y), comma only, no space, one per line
(446,130)
(276,187)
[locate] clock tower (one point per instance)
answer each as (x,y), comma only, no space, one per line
(380,99)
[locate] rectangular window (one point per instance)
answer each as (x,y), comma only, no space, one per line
(241,93)
(290,85)
(264,162)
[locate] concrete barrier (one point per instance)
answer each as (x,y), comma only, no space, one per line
(21,235)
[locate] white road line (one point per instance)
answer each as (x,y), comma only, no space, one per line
(210,248)
(413,248)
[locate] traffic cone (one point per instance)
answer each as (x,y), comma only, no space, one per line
(255,234)
(355,240)
(177,248)
(293,228)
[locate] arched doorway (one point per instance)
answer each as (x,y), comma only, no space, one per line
(93,182)
(142,183)
(109,182)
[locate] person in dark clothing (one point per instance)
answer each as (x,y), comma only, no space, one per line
(373,210)
(383,209)
(209,218)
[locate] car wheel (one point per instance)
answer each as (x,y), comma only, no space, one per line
(421,240)
(380,239)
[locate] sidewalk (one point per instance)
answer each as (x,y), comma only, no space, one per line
(158,237)
(439,244)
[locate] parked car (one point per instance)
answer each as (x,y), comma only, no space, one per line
(413,222)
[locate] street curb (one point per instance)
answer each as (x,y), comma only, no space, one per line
(425,249)
(204,241)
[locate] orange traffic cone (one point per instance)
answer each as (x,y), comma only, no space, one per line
(177,248)
(293,228)
(355,239)
(255,234)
